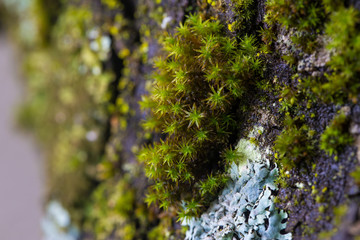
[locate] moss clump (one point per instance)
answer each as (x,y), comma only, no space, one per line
(294,144)
(305,16)
(245,10)
(195,89)
(345,42)
(112,207)
(339,213)
(302,14)
(340,25)
(356,175)
(336,135)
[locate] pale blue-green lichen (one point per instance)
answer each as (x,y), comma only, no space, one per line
(248,150)
(56,224)
(245,208)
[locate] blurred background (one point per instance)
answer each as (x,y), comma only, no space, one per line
(21,171)
(72,74)
(60,74)
(25,210)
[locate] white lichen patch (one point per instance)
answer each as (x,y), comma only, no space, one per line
(56,224)
(245,208)
(165,22)
(250,151)
(312,63)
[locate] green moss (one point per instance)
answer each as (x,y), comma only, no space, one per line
(303,14)
(339,212)
(307,230)
(157,233)
(112,4)
(163,230)
(194,89)
(345,42)
(356,175)
(340,26)
(112,207)
(295,144)
(245,11)
(327,234)
(336,135)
